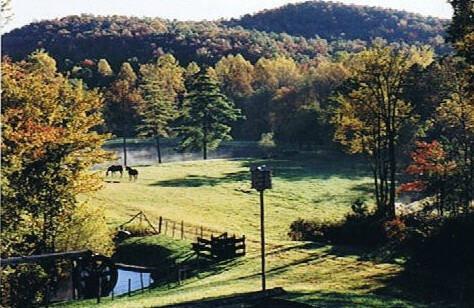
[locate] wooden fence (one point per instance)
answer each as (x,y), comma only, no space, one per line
(220,247)
(184,230)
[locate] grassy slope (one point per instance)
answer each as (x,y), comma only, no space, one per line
(210,193)
(152,251)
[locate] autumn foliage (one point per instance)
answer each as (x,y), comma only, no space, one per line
(429,161)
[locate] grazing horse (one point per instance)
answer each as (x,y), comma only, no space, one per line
(114,168)
(132,173)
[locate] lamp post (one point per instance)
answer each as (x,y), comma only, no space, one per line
(261,180)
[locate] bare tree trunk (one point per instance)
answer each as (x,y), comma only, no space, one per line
(158,148)
(204,144)
(393,169)
(124,144)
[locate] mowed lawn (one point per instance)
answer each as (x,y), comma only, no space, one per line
(216,194)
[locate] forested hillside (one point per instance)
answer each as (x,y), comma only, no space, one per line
(118,39)
(318,28)
(333,21)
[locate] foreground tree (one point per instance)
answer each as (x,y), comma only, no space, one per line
(461,29)
(455,119)
(372,115)
(161,84)
(432,172)
(207,115)
(49,146)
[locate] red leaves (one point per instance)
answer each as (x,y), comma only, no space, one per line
(415,186)
(88,63)
(428,161)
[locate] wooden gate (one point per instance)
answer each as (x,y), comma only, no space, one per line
(220,247)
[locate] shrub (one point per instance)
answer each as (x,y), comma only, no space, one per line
(138,229)
(23,286)
(86,229)
(395,229)
(304,230)
(267,143)
(359,208)
(442,260)
(360,227)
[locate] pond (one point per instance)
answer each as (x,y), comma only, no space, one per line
(135,282)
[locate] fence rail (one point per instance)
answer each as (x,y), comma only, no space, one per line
(184,230)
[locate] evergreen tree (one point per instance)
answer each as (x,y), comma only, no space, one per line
(161,84)
(104,69)
(461,29)
(207,115)
(105,72)
(191,71)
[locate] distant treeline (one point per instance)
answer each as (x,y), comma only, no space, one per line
(335,21)
(300,31)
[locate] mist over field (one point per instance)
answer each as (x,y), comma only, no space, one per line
(143,152)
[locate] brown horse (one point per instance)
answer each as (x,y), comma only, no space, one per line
(114,168)
(132,173)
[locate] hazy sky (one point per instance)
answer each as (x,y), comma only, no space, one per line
(27,11)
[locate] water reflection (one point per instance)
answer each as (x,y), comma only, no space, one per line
(122,282)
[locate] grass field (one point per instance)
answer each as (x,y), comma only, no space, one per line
(216,194)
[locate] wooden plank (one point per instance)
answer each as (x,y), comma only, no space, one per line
(48,256)
(136,268)
(203,240)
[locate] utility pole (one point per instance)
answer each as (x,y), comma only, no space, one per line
(261,180)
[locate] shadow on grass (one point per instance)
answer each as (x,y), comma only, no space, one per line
(339,299)
(299,168)
(366,188)
(303,167)
(202,180)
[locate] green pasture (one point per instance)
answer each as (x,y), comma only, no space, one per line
(217,195)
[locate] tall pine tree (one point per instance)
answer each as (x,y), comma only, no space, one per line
(207,115)
(161,84)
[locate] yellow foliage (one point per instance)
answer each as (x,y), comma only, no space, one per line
(86,229)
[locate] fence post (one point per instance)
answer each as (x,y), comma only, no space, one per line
(202,232)
(182,229)
(159,225)
(141,282)
(166,227)
(129,287)
(174,227)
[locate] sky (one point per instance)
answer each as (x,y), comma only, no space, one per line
(27,11)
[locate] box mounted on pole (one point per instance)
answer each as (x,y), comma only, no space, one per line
(261,177)
(261,180)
